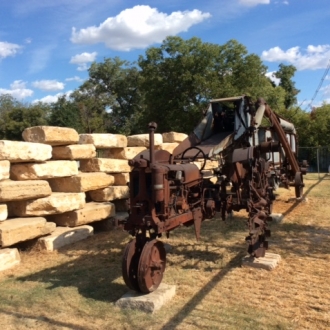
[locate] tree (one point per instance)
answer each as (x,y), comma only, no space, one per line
(21,117)
(7,104)
(65,113)
(112,96)
(285,74)
(181,76)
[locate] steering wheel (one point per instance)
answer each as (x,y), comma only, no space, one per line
(199,151)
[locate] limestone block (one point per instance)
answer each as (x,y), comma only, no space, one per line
(102,141)
(17,230)
(268,262)
(23,190)
(75,151)
(277,217)
(45,170)
(109,194)
(62,236)
(123,153)
(52,135)
(167,146)
(142,140)
(148,303)
(211,164)
(121,179)
(57,202)
(9,258)
(171,137)
(107,165)
(121,205)
(90,213)
(18,152)
(81,182)
(4,169)
(3,212)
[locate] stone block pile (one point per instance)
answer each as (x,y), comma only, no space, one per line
(53,186)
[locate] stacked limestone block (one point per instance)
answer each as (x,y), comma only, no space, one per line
(113,162)
(14,230)
(26,195)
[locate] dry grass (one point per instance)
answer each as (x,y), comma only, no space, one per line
(76,288)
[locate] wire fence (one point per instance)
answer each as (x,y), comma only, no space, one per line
(318,158)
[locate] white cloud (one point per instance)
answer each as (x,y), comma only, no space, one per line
(312,58)
(326,91)
(48,85)
(251,3)
(52,98)
(18,90)
(75,78)
(138,27)
(83,59)
(272,77)
(8,49)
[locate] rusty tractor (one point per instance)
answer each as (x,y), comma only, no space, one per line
(171,190)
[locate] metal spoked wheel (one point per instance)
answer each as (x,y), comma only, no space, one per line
(151,266)
(130,264)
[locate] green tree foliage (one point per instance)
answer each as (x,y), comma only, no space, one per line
(21,117)
(65,113)
(7,104)
(113,85)
(285,74)
(180,76)
(320,125)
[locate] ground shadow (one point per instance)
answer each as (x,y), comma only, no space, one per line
(92,267)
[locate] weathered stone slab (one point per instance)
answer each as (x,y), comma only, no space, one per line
(106,165)
(23,190)
(76,151)
(121,179)
(102,141)
(18,152)
(3,212)
(51,135)
(62,236)
(17,230)
(171,137)
(90,213)
(4,169)
(123,153)
(150,302)
(121,205)
(109,194)
(268,262)
(211,164)
(276,217)
(81,182)
(9,258)
(167,146)
(46,170)
(142,140)
(57,202)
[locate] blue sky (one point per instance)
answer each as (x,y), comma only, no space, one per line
(47,46)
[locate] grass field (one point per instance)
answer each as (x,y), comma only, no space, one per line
(76,287)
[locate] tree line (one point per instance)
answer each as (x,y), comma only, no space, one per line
(171,85)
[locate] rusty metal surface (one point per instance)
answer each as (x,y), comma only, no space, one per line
(167,191)
(151,266)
